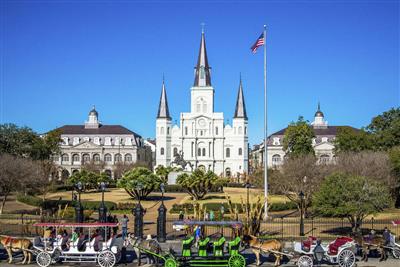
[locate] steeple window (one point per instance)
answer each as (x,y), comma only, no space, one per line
(228,152)
(162,151)
(240,152)
(240,130)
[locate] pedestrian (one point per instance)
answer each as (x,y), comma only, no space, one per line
(124,226)
(387,238)
(181,215)
(115,229)
(206,216)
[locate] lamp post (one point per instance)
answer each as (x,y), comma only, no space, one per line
(78,207)
(138,213)
(162,218)
(102,208)
(301,195)
(247,185)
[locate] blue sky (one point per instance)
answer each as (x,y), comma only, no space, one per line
(59,58)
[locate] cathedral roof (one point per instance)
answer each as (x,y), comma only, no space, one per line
(103,129)
(202,75)
(240,109)
(163,111)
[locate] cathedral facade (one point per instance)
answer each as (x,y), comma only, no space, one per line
(201,137)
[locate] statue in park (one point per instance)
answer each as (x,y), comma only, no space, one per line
(180,161)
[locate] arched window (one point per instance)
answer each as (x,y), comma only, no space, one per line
(167,130)
(162,130)
(245,130)
(85,158)
(128,157)
(216,130)
(186,130)
(324,159)
(175,151)
(276,160)
(228,152)
(240,130)
(64,158)
(240,151)
(162,151)
(228,172)
(204,152)
(96,157)
(118,158)
(107,158)
(198,107)
(199,151)
(75,158)
(204,107)
(64,174)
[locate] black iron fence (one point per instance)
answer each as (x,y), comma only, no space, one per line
(289,228)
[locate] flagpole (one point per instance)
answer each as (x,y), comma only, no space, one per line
(265,127)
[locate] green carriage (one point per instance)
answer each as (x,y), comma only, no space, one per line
(218,253)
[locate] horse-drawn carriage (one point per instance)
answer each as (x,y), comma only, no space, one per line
(220,252)
(53,249)
(341,251)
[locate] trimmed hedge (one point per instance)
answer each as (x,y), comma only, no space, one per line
(51,203)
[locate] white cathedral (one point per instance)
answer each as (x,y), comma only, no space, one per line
(202,138)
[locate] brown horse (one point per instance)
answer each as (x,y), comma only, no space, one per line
(264,247)
(368,243)
(12,244)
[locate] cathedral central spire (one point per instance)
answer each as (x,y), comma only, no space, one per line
(163,111)
(202,75)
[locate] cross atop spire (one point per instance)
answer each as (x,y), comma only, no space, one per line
(202,75)
(163,111)
(240,110)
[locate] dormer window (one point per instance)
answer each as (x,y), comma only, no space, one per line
(276,141)
(324,139)
(76,141)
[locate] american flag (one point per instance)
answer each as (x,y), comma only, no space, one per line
(258,43)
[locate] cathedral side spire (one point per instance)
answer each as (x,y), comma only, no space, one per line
(202,74)
(240,110)
(163,111)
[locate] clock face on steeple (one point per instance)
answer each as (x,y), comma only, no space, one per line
(202,122)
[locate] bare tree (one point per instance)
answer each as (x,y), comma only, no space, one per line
(121,167)
(14,171)
(299,174)
(94,166)
(375,165)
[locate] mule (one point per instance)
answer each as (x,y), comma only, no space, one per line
(12,244)
(368,243)
(264,247)
(149,244)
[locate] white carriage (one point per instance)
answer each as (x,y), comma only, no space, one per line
(52,250)
(341,251)
(394,247)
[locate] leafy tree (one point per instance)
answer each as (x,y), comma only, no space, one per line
(139,182)
(351,196)
(163,172)
(198,183)
(298,139)
(350,140)
(90,180)
(386,129)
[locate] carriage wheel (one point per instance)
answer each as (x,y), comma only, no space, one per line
(43,259)
(396,253)
(237,261)
(170,262)
(106,259)
(118,256)
(346,258)
(305,261)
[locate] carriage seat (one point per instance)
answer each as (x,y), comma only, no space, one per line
(187,246)
(306,244)
(37,242)
(203,244)
(219,247)
(333,247)
(233,246)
